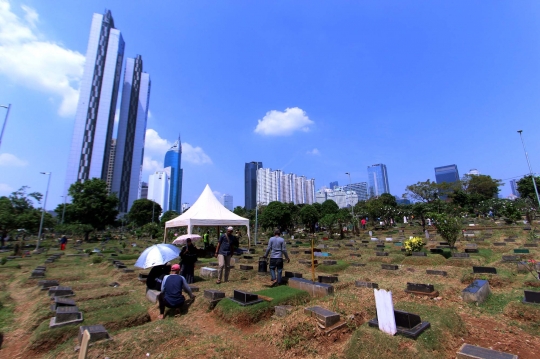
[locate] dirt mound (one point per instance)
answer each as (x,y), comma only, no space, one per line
(523,312)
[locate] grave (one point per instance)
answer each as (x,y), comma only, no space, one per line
(37,274)
(530,245)
(282,310)
(477,291)
(152,295)
(294,252)
(322,254)
(143,277)
(315,289)
(481,270)
(129,270)
(355,255)
(460,255)
(327,279)
(292,275)
(207,272)
(381,254)
(510,258)
(398,244)
(436,250)
(436,272)
(213,295)
(468,351)
(244,267)
(62,302)
(389,266)
(380,245)
(509,240)
(245,298)
(356,264)
(66,315)
(471,250)
(59,291)
(329,263)
(419,254)
(46,284)
(422,289)
(499,244)
(324,317)
(531,297)
(362,284)
(365,241)
(521,250)
(407,324)
(97,333)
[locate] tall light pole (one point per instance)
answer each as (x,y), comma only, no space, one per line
(43,208)
(8,107)
(350,189)
(256,202)
(63,210)
(530,169)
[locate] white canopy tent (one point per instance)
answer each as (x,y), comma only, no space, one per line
(207,211)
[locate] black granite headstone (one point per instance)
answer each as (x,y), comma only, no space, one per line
(480,270)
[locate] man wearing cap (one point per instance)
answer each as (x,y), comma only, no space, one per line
(171,291)
(276,248)
(224,251)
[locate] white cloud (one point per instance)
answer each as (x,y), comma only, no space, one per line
(194,155)
(27,59)
(277,123)
(314,152)
(5,189)
(7,159)
(150,165)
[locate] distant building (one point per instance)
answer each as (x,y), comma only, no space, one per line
(110,169)
(185,206)
(250,184)
(343,198)
(227,201)
(447,174)
(377,180)
(144,190)
(286,188)
(173,159)
(361,189)
(402,200)
(474,172)
(333,184)
(513,188)
(159,185)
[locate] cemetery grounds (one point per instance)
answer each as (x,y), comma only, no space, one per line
(116,299)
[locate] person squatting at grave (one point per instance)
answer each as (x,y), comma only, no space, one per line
(188,257)
(171,291)
(224,251)
(276,248)
(156,275)
(63,242)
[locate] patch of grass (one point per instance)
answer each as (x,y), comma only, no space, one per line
(496,303)
(6,311)
(340,266)
(487,254)
(430,260)
(233,312)
(127,257)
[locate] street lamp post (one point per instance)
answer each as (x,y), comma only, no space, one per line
(8,107)
(256,203)
(530,169)
(350,189)
(63,210)
(43,208)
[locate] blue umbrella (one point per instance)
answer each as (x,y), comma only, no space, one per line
(157,254)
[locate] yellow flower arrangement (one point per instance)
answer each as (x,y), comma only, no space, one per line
(414,244)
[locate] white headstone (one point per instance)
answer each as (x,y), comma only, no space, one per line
(404,219)
(385,311)
(370,233)
(427,234)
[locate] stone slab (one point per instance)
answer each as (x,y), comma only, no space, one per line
(468,351)
(329,263)
(356,264)
(436,272)
(477,291)
(389,266)
(412,333)
(471,250)
(324,316)
(97,333)
(60,291)
(499,244)
(54,324)
(67,313)
(362,284)
(511,258)
(419,254)
(292,275)
(327,279)
(510,240)
(283,310)
(481,270)
(521,250)
(212,294)
(530,245)
(531,297)
(207,272)
(418,287)
(436,250)
(245,298)
(315,289)
(460,255)
(245,267)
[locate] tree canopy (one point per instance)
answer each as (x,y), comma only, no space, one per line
(275,215)
(142,210)
(525,188)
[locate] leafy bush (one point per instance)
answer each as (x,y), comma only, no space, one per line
(97,259)
(3,260)
(414,244)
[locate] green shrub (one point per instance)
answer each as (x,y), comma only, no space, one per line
(3,260)
(97,259)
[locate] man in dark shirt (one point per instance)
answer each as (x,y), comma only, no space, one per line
(171,291)
(224,251)
(277,249)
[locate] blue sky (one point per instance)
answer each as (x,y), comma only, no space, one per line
(316,88)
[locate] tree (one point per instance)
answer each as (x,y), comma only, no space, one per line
(239,210)
(275,215)
(309,216)
(328,221)
(142,210)
(167,216)
(423,191)
(343,216)
(449,227)
(483,186)
(525,188)
(329,207)
(151,229)
(91,204)
(388,200)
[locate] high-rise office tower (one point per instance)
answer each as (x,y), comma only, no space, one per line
(173,159)
(131,132)
(333,184)
(250,184)
(94,119)
(377,180)
(287,188)
(513,187)
(360,189)
(227,201)
(110,167)
(159,185)
(447,174)
(144,190)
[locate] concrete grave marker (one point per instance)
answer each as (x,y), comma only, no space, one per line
(509,240)
(510,258)
(362,284)
(422,289)
(471,250)
(59,291)
(292,275)
(499,244)
(327,279)
(283,310)
(389,266)
(329,263)
(488,270)
(385,311)
(46,284)
(468,351)
(531,297)
(436,272)
(324,317)
(245,298)
(521,250)
(477,291)
(97,333)
(315,289)
(356,264)
(436,250)
(419,254)
(207,272)
(66,315)
(212,294)
(62,302)
(381,254)
(246,268)
(530,245)
(460,255)
(152,295)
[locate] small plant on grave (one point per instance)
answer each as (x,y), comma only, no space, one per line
(532,235)
(414,244)
(97,260)
(88,251)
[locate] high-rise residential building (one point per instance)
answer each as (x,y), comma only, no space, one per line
(287,188)
(98,94)
(343,198)
(333,184)
(110,167)
(131,133)
(377,180)
(361,189)
(250,184)
(513,188)
(144,190)
(227,201)
(173,159)
(447,174)
(159,185)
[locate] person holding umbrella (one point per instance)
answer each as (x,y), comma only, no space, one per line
(188,257)
(171,291)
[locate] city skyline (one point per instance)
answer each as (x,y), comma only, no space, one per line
(446,77)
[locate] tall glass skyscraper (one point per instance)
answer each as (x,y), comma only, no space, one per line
(250,184)
(447,174)
(173,159)
(94,119)
(131,133)
(377,180)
